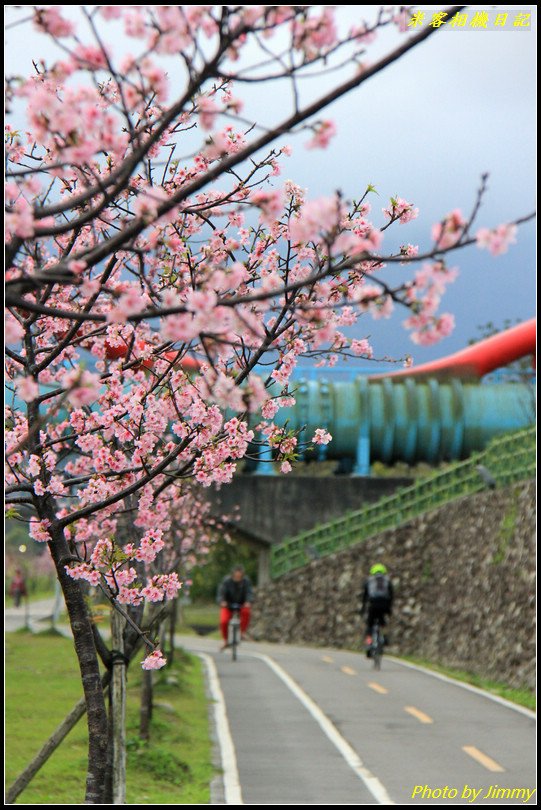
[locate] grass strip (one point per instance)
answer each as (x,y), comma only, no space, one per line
(199,619)
(42,684)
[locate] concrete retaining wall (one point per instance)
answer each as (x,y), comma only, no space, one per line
(272,508)
(464,579)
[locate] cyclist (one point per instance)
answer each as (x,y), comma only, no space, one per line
(377,599)
(235,589)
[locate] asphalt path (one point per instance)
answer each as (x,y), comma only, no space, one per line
(321,726)
(30,614)
(300,725)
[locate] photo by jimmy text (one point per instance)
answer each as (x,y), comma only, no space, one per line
(522,795)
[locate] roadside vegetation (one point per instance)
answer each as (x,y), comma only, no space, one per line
(41,686)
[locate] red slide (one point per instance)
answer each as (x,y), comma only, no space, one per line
(479,359)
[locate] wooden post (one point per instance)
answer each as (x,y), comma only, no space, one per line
(118,700)
(173,616)
(146,705)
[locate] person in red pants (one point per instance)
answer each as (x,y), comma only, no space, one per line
(235,589)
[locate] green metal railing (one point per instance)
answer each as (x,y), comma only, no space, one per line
(508,458)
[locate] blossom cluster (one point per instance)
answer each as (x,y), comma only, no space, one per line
(163,283)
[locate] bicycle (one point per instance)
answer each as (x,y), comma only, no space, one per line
(233,631)
(375,651)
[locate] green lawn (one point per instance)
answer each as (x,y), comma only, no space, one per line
(42,685)
(199,617)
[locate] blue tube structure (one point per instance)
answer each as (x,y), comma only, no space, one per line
(407,419)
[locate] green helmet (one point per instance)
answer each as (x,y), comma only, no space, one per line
(378,569)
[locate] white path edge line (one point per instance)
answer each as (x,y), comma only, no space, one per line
(232,789)
(349,754)
(496,698)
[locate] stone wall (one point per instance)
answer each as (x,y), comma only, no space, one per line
(464,579)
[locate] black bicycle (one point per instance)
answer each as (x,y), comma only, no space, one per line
(233,630)
(375,651)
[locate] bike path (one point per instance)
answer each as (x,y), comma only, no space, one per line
(416,731)
(282,756)
(408,728)
(29,613)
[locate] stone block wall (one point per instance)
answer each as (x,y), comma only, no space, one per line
(464,578)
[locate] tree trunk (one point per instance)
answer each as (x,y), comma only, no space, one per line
(89,666)
(118,697)
(172,630)
(108,785)
(146,705)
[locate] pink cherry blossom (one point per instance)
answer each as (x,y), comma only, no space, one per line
(409,250)
(317,217)
(77,267)
(154,661)
(496,241)
(83,387)
(447,233)
(430,329)
(150,546)
(401,20)
(20,221)
(362,348)
(39,530)
(315,33)
(129,303)
(324,132)
(38,487)
(271,204)
(208,109)
(33,465)
(52,21)
(27,388)
(321,436)
(402,210)
(147,203)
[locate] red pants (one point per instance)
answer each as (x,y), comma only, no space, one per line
(226,615)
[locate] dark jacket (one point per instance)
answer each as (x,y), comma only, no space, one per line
(235,593)
(378,589)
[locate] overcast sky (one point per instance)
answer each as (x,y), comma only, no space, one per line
(461,104)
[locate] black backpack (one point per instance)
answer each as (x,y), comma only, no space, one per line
(379,587)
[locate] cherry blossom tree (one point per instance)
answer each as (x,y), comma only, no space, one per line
(192,532)
(162,282)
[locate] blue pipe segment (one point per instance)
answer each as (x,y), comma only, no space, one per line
(407,420)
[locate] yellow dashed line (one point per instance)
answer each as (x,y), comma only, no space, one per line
(483,759)
(327,659)
(377,687)
(418,714)
(348,671)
